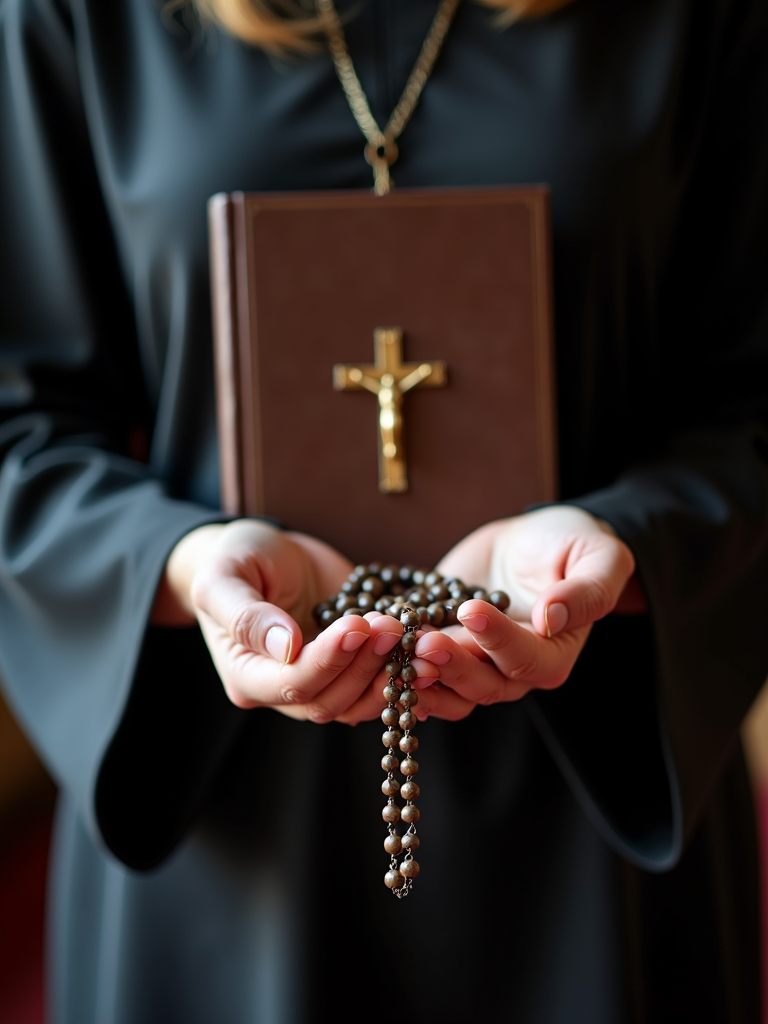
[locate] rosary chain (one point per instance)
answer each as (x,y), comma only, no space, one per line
(381,150)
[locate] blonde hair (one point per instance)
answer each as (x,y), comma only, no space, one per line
(281,25)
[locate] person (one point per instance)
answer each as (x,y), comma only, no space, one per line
(588,849)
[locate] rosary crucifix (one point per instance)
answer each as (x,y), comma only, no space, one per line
(389,378)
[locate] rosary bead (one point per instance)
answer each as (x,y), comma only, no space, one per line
(389,787)
(405,573)
(383,603)
(408,674)
(423,614)
(436,614)
(391,737)
(418,576)
(397,589)
(409,868)
(350,586)
(389,716)
(407,720)
(389,762)
(408,641)
(408,766)
(359,572)
(323,606)
(408,698)
(450,612)
(499,600)
(345,601)
(373,585)
(480,594)
(408,744)
(392,668)
(393,879)
(439,592)
(410,618)
(393,844)
(389,573)
(390,813)
(391,693)
(417,596)
(432,579)
(410,791)
(366,602)
(410,814)
(328,616)
(410,841)
(352,611)
(374,568)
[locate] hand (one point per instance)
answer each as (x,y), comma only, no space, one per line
(563,570)
(252,589)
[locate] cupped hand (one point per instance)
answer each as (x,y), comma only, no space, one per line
(252,589)
(563,570)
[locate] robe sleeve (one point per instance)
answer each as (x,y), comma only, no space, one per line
(651,715)
(85,530)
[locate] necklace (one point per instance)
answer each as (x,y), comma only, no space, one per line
(381,146)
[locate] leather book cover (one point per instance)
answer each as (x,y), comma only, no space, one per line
(384,365)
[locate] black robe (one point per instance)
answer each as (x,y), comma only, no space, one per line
(588,855)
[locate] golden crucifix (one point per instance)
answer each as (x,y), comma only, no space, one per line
(389,378)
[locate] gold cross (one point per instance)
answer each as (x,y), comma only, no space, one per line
(389,378)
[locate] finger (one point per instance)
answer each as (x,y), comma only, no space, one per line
(252,678)
(239,608)
(522,657)
(356,679)
(593,584)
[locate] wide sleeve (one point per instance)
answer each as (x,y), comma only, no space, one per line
(84,528)
(651,715)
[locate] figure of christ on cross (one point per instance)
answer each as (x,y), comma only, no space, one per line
(389,378)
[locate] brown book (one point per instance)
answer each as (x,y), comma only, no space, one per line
(396,457)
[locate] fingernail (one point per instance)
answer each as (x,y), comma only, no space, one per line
(385,642)
(436,657)
(555,618)
(278,643)
(352,641)
(477,623)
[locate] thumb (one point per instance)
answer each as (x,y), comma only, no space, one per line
(592,585)
(240,609)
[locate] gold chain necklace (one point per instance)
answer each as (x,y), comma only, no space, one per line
(381,147)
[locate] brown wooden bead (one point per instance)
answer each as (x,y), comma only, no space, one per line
(383,603)
(393,844)
(408,744)
(408,697)
(406,721)
(408,766)
(409,868)
(499,599)
(410,814)
(328,616)
(410,841)
(350,586)
(390,716)
(366,602)
(410,791)
(432,579)
(390,813)
(417,596)
(480,594)
(374,568)
(360,571)
(408,674)
(389,787)
(423,614)
(346,601)
(352,611)
(451,608)
(392,668)
(320,608)
(393,879)
(408,641)
(439,592)
(389,573)
(391,693)
(391,737)
(436,614)
(389,762)
(373,585)
(418,576)
(410,618)
(405,573)
(397,589)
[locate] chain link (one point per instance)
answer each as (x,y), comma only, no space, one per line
(381,149)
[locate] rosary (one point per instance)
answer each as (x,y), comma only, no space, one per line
(416,598)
